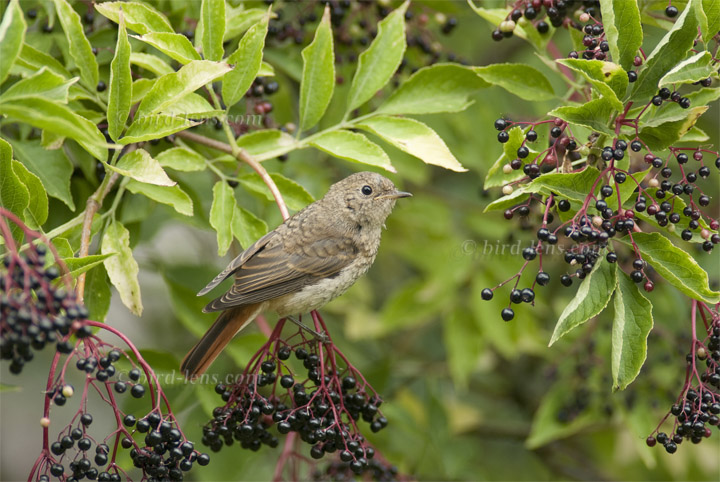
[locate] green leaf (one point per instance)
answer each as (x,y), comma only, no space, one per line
(34,60)
(295,196)
(711,8)
(413,137)
(155,126)
(192,106)
(221,215)
(246,60)
(572,185)
(139,88)
(676,266)
(174,45)
(140,165)
(170,195)
(97,293)
(594,115)
(43,83)
(693,69)
(212,16)
(318,76)
(12,36)
(664,135)
(151,62)
(623,29)
(171,87)
(52,167)
(507,201)
(463,346)
(631,326)
(140,17)
(378,63)
(695,135)
(181,159)
(352,147)
(267,144)
(627,188)
(609,79)
(36,212)
(247,227)
(591,298)
(57,118)
(519,79)
(78,266)
(122,269)
(239,19)
(80,48)
(120,89)
(670,51)
(13,193)
(495,175)
(671,111)
(62,245)
(433,89)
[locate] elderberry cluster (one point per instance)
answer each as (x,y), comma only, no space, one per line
(322,409)
(34,311)
(540,14)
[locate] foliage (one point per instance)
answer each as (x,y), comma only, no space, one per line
(145,139)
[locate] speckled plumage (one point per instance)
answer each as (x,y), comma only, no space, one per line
(313,257)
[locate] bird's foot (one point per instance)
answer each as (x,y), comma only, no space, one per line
(320,336)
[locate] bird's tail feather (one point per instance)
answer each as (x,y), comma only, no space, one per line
(227,325)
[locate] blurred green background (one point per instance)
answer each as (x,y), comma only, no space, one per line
(468,396)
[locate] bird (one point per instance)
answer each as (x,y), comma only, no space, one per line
(308,260)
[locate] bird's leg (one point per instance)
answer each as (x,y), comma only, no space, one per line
(322,337)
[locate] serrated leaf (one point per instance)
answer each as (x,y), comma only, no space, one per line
(151,62)
(181,159)
(12,36)
(58,118)
(155,126)
(36,213)
(79,45)
(664,135)
(139,88)
(413,137)
(594,115)
(711,8)
(33,59)
(246,61)
(139,17)
(591,298)
(623,29)
(295,196)
(13,193)
(43,83)
(239,19)
(495,175)
(174,45)
(97,293)
(676,266)
(120,89)
(171,195)
(192,106)
(609,79)
(693,69)
(519,79)
(318,77)
(507,201)
(671,50)
(353,147)
(266,144)
(695,135)
(631,326)
(572,185)
(433,89)
(78,266)
(221,215)
(171,87)
(122,268)
(671,111)
(212,16)
(247,227)
(140,165)
(52,167)
(378,63)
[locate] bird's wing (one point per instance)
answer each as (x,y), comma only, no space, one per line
(237,262)
(273,270)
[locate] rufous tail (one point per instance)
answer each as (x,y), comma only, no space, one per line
(214,341)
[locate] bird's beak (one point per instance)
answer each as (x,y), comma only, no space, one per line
(394,195)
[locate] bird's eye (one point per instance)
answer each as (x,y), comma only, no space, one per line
(367,190)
